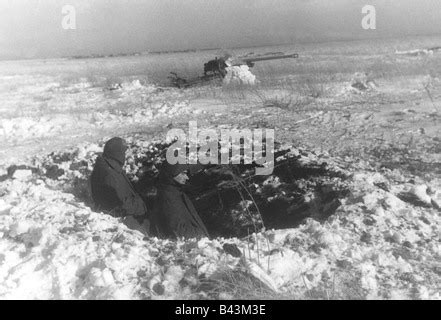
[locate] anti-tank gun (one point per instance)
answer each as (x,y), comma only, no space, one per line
(217,68)
(219,65)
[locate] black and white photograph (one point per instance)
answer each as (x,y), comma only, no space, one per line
(235,152)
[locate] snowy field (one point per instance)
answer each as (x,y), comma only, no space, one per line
(367,224)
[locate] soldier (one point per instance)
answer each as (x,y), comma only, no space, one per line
(175,213)
(113,192)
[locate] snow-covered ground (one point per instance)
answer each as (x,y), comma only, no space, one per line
(376,246)
(382,242)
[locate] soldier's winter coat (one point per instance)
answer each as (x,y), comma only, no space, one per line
(176,215)
(112,191)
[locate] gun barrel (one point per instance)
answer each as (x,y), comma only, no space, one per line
(255,59)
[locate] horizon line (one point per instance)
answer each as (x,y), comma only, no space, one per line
(158,52)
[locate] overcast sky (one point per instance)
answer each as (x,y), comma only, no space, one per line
(32,28)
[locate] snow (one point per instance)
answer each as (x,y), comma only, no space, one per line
(51,110)
(22,174)
(55,247)
(420,192)
(381,243)
(239,75)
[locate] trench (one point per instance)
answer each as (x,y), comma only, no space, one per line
(230,205)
